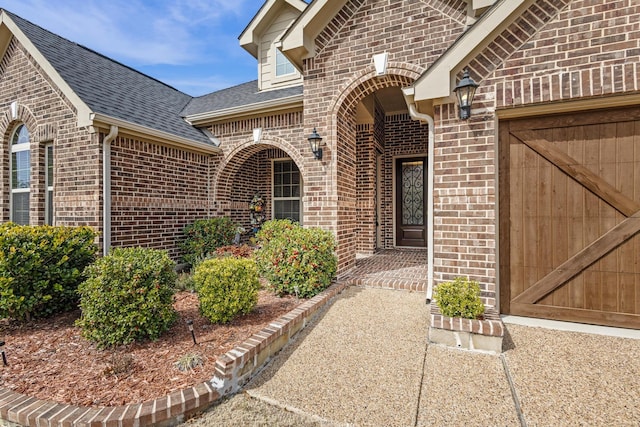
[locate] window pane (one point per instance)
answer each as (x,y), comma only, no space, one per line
(49,207)
(283,66)
(20,208)
(284,209)
(49,185)
(49,165)
(21,136)
(21,169)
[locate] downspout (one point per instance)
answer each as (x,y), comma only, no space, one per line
(106,189)
(413,112)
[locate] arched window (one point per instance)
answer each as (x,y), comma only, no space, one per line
(20,175)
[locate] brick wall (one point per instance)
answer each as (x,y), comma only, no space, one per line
(341,74)
(156,191)
(50,118)
(556,51)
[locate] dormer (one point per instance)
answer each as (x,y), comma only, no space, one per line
(261,37)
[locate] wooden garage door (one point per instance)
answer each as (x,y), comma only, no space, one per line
(570,217)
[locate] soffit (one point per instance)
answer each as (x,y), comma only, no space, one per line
(439,80)
(298,42)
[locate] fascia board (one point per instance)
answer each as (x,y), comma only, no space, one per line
(436,82)
(298,42)
(160,136)
(83,110)
(249,36)
(273,105)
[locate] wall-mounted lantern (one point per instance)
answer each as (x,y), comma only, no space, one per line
(465,91)
(314,141)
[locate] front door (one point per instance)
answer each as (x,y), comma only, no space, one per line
(411,202)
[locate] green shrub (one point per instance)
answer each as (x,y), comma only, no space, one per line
(460,298)
(41,268)
(128,297)
(226,287)
(295,260)
(274,228)
(204,236)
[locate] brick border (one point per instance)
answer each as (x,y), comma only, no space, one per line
(470,334)
(232,371)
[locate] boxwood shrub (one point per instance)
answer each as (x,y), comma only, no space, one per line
(460,298)
(226,287)
(41,268)
(204,236)
(128,297)
(296,260)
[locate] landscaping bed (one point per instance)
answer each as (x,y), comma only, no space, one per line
(49,359)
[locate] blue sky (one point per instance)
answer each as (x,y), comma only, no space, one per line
(191,45)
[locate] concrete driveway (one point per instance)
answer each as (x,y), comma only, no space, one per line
(366,362)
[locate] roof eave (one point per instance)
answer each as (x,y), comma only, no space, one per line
(437,82)
(134,129)
(298,42)
(83,112)
(248,37)
(273,105)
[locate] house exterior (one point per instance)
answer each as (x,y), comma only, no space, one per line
(536,195)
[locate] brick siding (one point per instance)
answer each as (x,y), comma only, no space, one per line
(50,118)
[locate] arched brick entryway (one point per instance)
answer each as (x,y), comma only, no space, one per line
(245,171)
(364,160)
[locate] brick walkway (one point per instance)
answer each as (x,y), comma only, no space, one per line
(404,269)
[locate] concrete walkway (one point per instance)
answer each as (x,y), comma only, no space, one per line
(366,362)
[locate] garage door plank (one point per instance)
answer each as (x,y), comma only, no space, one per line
(583,259)
(581,174)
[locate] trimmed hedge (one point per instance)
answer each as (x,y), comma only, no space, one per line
(460,298)
(41,268)
(226,287)
(295,260)
(204,236)
(128,297)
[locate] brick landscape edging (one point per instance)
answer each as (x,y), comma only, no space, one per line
(232,371)
(464,333)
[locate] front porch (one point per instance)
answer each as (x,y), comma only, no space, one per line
(401,269)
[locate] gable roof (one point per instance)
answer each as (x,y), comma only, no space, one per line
(105,90)
(249,38)
(243,99)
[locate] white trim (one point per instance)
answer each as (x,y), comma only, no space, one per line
(19,148)
(144,131)
(572,327)
(83,110)
(290,102)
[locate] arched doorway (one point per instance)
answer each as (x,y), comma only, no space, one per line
(381,169)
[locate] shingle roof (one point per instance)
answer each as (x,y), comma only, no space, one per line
(237,96)
(111,88)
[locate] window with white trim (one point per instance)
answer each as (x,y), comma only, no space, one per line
(20,175)
(283,66)
(287,190)
(48,207)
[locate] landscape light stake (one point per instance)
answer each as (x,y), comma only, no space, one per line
(193,335)
(4,356)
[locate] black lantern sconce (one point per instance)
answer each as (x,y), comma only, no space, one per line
(465,91)
(193,335)
(314,142)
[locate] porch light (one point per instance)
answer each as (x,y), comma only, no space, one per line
(465,90)
(314,142)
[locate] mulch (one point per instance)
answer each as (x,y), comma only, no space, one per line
(49,359)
